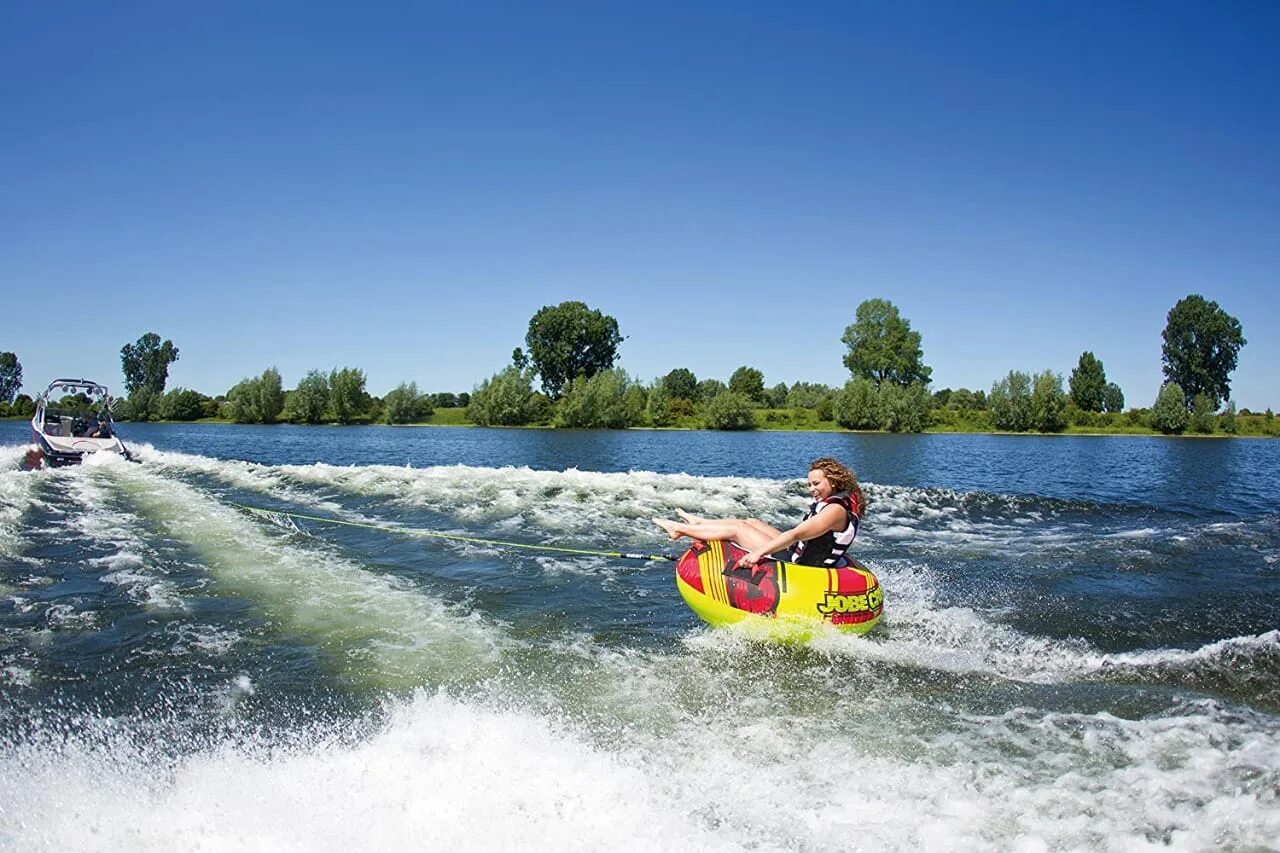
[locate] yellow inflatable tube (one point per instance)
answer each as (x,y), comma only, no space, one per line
(793,597)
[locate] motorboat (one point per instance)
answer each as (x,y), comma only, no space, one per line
(72,421)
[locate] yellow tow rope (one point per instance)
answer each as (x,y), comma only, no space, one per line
(434,534)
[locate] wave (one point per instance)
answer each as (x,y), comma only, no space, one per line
(441,772)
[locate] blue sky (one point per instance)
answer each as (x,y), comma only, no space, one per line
(399,187)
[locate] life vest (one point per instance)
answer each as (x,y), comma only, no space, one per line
(829,548)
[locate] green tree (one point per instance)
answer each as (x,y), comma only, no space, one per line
(10,377)
(570,340)
(681,383)
(1201,344)
(902,409)
(882,346)
(146,363)
(404,405)
(856,406)
(270,395)
(504,399)
(748,382)
(1227,420)
(23,406)
(242,402)
(709,389)
(259,400)
(1088,383)
(730,410)
(182,404)
(598,402)
(1113,398)
(659,406)
(1048,410)
(807,395)
(1202,409)
(309,402)
(347,397)
(1010,402)
(776,397)
(1169,414)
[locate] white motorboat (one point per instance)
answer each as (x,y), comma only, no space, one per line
(69,427)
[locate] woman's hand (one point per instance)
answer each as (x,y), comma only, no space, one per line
(750,559)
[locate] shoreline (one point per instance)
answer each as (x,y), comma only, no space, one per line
(836,430)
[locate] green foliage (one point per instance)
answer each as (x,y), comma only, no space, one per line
(903,409)
(602,401)
(1201,344)
(146,363)
(857,405)
(270,395)
(347,397)
(141,405)
(1202,410)
(1228,421)
(256,401)
(658,409)
(709,389)
(309,402)
(882,346)
(10,377)
(807,395)
(22,406)
(1088,383)
(730,410)
(1010,402)
(444,400)
(404,405)
(826,408)
(181,404)
(776,397)
(504,399)
(1048,409)
(570,340)
(1113,398)
(1169,414)
(748,382)
(681,384)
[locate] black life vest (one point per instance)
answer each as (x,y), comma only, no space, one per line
(829,548)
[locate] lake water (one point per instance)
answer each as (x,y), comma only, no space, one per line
(1080,647)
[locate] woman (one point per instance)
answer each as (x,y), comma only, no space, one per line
(821,538)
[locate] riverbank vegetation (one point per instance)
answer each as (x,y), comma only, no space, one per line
(571,350)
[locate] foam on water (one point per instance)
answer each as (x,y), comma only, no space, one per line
(444,773)
(714,741)
(381,631)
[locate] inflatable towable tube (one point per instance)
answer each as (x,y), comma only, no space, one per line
(795,596)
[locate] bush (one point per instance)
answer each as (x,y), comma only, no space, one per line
(602,401)
(730,411)
(903,409)
(1169,414)
(1048,409)
(857,405)
(404,405)
(1010,402)
(504,399)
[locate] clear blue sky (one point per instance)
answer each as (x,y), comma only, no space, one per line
(399,187)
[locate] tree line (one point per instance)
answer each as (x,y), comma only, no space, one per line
(571,350)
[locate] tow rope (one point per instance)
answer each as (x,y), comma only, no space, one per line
(271,514)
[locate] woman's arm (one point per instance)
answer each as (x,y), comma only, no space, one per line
(831,517)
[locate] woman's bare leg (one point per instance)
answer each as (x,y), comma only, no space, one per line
(750,533)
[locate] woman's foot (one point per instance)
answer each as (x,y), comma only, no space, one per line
(690,519)
(669,527)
